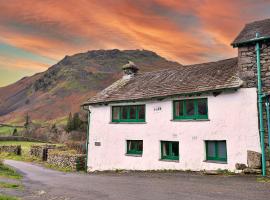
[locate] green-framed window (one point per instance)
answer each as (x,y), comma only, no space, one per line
(135,147)
(216,150)
(129,113)
(190,109)
(169,150)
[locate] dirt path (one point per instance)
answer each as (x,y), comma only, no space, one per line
(41,183)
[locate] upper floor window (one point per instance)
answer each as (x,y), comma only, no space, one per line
(190,109)
(130,113)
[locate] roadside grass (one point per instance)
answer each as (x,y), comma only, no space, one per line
(62,169)
(10,185)
(8,172)
(263,179)
(5,197)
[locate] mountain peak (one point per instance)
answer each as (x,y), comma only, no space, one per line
(64,86)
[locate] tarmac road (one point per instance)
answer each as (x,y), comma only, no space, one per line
(44,184)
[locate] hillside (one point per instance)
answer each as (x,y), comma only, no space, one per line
(51,95)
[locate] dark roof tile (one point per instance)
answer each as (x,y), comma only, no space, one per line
(181,80)
(249,32)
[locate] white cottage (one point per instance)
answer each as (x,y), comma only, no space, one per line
(195,117)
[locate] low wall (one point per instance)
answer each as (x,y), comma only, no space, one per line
(41,151)
(19,138)
(16,149)
(66,159)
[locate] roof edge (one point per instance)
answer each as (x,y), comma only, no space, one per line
(163,97)
(254,40)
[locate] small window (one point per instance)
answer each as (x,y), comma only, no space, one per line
(169,150)
(132,113)
(135,147)
(216,150)
(190,109)
(116,113)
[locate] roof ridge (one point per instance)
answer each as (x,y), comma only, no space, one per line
(183,66)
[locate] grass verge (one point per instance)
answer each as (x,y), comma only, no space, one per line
(5,197)
(8,172)
(10,185)
(263,179)
(62,169)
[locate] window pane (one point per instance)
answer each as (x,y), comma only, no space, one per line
(140,145)
(211,151)
(175,149)
(128,145)
(125,112)
(190,107)
(141,112)
(202,107)
(132,112)
(179,108)
(222,153)
(165,149)
(115,111)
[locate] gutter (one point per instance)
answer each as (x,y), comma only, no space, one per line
(254,40)
(87,136)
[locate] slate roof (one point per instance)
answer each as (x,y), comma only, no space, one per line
(249,32)
(182,80)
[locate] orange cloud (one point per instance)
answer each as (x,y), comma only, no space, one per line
(187,31)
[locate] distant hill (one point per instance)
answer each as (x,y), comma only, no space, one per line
(53,94)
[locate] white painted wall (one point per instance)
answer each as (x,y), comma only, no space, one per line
(233,117)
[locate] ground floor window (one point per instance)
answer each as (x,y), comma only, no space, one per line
(216,150)
(170,150)
(135,147)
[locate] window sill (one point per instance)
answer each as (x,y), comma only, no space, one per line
(216,161)
(168,160)
(133,155)
(127,122)
(190,120)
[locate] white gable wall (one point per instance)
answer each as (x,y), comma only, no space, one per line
(232,117)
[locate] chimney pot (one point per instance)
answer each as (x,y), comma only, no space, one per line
(130,68)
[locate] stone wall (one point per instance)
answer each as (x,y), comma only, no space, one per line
(248,71)
(41,151)
(66,159)
(16,149)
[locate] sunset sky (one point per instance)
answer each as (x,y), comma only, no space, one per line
(36,34)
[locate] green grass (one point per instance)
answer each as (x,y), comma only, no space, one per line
(263,179)
(62,169)
(5,197)
(8,172)
(6,131)
(25,151)
(10,185)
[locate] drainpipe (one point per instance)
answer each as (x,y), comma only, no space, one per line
(260,104)
(87,136)
(268,119)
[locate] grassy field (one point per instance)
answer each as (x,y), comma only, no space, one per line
(25,151)
(7,131)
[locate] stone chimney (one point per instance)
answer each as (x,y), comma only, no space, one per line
(247,66)
(130,69)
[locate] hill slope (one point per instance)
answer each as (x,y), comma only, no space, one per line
(52,94)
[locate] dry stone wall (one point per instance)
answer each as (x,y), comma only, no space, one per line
(41,151)
(15,149)
(66,159)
